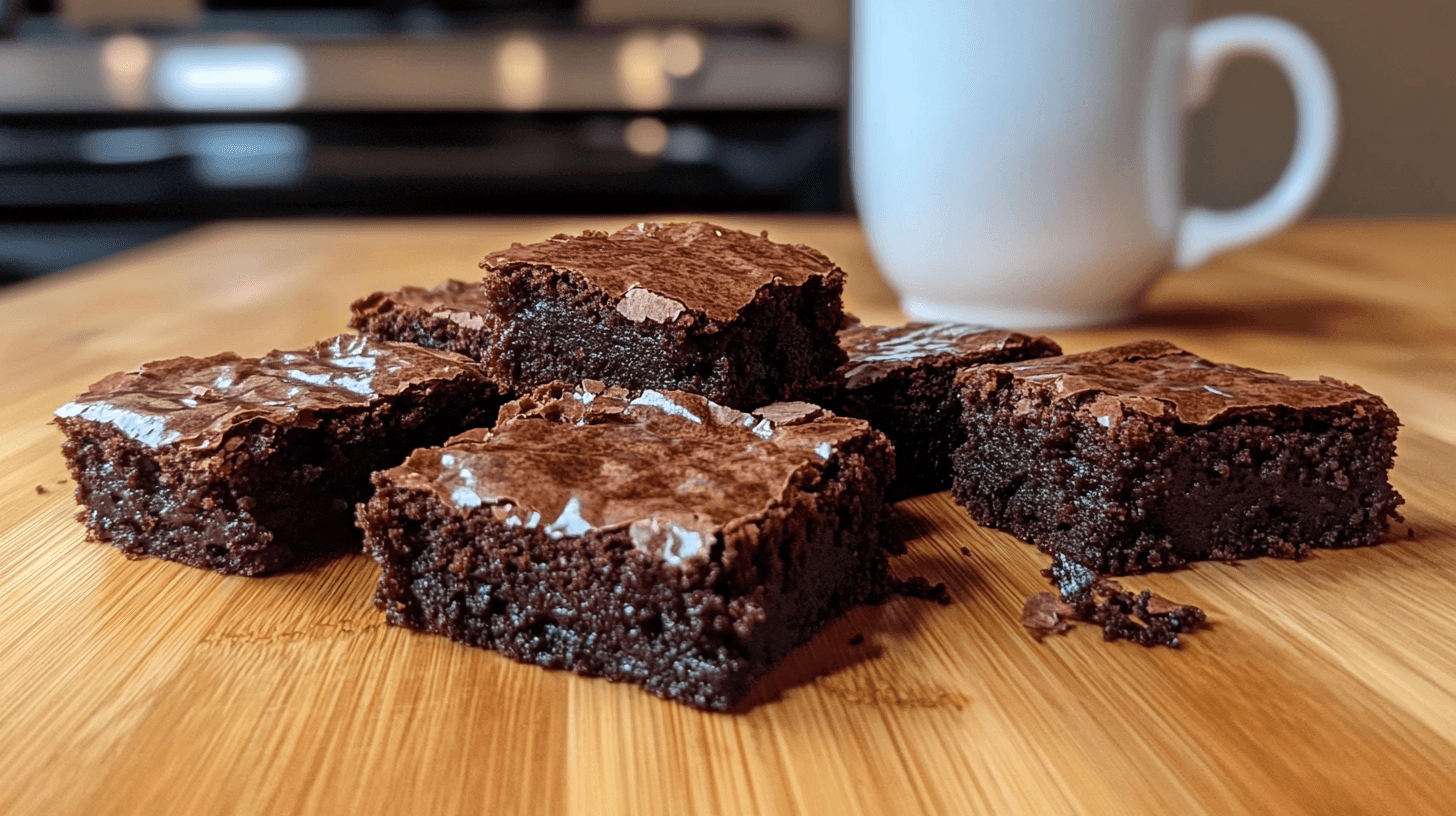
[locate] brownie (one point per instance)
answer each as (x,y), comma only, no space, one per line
(898,378)
(249,465)
(661,539)
(450,316)
(695,307)
(1144,456)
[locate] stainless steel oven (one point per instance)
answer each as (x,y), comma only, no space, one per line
(121,120)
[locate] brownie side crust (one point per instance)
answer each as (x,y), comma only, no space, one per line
(692,548)
(248,466)
(450,317)
(734,317)
(899,379)
(1145,456)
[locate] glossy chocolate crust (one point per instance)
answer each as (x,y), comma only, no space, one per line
(878,352)
(654,538)
(195,402)
(1157,379)
(898,378)
(1144,456)
(737,318)
(699,267)
(250,465)
(593,458)
(451,317)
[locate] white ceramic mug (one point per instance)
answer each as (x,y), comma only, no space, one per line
(1020,163)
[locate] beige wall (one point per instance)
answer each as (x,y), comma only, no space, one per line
(1395,62)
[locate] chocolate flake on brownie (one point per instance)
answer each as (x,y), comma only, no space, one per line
(1144,456)
(250,465)
(654,538)
(451,317)
(898,378)
(1046,614)
(695,307)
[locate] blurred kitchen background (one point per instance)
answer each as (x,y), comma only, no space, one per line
(126,120)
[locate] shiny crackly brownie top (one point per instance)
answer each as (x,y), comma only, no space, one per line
(458,301)
(660,270)
(1156,378)
(194,401)
(876,352)
(673,469)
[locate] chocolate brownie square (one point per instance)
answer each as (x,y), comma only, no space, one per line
(898,378)
(658,539)
(249,465)
(1144,456)
(694,307)
(450,316)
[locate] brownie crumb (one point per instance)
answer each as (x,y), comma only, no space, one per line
(918,587)
(1069,577)
(856,640)
(1158,605)
(1045,614)
(1143,618)
(966,551)
(40,489)
(1410,532)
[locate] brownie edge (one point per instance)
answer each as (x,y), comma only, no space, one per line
(450,317)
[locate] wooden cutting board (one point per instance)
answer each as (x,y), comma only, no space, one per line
(1322,687)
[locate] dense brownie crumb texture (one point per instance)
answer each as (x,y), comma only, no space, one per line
(650,537)
(735,317)
(899,379)
(1144,456)
(451,317)
(249,465)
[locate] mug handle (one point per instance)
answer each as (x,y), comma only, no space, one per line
(1203,233)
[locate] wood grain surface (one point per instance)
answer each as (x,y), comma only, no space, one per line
(1326,686)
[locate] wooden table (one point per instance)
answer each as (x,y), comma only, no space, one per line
(1323,687)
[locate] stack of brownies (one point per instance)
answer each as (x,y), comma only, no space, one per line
(664,455)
